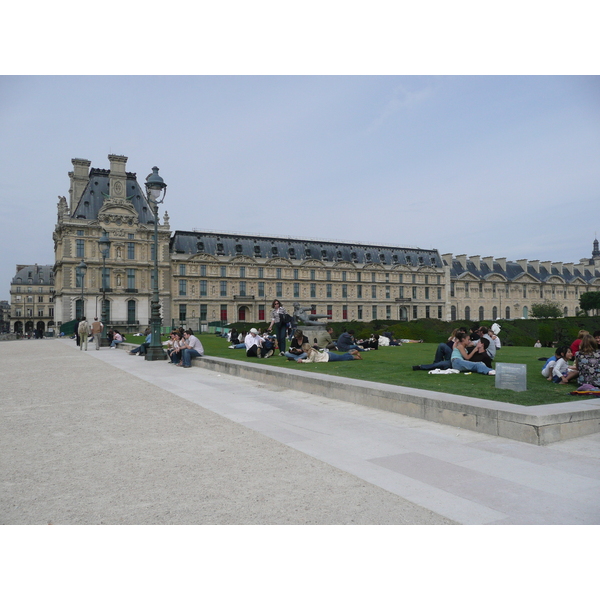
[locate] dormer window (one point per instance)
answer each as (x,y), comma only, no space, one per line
(408,260)
(382,258)
(200,246)
(339,254)
(274,251)
(220,249)
(307,252)
(420,260)
(256,250)
(324,254)
(368,257)
(433,260)
(292,252)
(395,259)
(238,248)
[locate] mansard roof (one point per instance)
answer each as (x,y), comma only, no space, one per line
(98,189)
(34,275)
(231,244)
(515,271)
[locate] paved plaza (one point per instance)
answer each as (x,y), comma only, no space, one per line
(104,437)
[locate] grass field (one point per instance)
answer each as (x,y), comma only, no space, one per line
(393,365)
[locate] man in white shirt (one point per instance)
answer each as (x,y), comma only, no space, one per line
(257,345)
(190,349)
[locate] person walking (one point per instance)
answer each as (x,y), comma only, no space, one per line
(97,328)
(83,331)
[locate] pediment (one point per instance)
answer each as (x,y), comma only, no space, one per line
(241,259)
(373,267)
(495,277)
(344,264)
(466,276)
(273,262)
(555,279)
(526,278)
(311,262)
(202,257)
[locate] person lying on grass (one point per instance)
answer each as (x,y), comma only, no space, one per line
(461,357)
(313,355)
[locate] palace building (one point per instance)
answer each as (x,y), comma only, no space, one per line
(207,277)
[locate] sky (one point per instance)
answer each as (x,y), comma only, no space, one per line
(504,166)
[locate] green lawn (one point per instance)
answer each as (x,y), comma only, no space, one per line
(393,365)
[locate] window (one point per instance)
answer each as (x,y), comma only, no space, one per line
(426,293)
(131,252)
(401,292)
(373,277)
(18,290)
(223,288)
(494,290)
(242,272)
(329,310)
(40,298)
(278,274)
(183,287)
(388,312)
(373,291)
(329,291)
(344,290)
(415,313)
(439,293)
(427,312)
(508,312)
(183,312)
(261,288)
(261,272)
(106,278)
(414,292)
(203,311)
(296,275)
(359,312)
(439,313)
(359,276)
(452,289)
(313,290)
(279,289)
(261,312)
(328,275)
(481,313)
(51,311)
(203,286)
(131,279)
(223,312)
(467,313)
(202,270)
(426,279)
(312,274)
(182,270)
(414,278)
(130,236)
(373,312)
(494,313)
(40,312)
(80,248)
(152,252)
(359,291)
(242,288)
(296,290)
(387,291)
(80,232)
(400,278)
(453,313)
(131,311)
(525,291)
(343,275)
(223,271)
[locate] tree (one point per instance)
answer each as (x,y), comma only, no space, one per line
(590,301)
(546,310)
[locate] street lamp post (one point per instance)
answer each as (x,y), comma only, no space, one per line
(104,244)
(81,270)
(155,187)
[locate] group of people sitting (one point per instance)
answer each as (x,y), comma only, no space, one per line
(466,351)
(586,352)
(182,346)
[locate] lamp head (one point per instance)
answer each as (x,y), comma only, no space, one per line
(104,243)
(155,185)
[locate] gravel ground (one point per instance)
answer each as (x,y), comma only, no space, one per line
(85,443)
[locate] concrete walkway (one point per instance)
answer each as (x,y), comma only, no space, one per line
(104,437)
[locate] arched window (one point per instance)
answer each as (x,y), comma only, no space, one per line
(453,313)
(494,313)
(78,309)
(481,313)
(131,311)
(525,312)
(467,313)
(508,312)
(566,311)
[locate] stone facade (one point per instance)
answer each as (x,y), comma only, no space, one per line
(112,201)
(32,294)
(229,277)
(209,277)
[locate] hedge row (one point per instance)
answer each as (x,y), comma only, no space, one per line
(518,332)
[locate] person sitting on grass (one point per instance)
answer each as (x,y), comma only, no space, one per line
(443,354)
(461,358)
(257,345)
(313,355)
(551,362)
(587,362)
(562,372)
(347,342)
(295,352)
